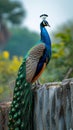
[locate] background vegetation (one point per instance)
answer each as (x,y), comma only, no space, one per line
(16,41)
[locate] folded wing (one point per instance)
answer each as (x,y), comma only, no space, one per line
(33,59)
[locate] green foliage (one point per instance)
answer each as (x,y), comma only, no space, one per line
(66,36)
(8,72)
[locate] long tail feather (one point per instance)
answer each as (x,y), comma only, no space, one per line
(20,115)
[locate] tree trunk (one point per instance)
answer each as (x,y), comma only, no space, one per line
(53,107)
(4,34)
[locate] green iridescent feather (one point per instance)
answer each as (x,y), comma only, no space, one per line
(20,115)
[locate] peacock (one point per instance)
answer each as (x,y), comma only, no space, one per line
(33,64)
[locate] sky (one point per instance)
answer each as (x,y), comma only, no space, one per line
(59,11)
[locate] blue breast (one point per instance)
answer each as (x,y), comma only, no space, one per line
(47,41)
(45,38)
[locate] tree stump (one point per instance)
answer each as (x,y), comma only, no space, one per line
(53,107)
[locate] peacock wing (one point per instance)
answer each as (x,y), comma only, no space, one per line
(32,60)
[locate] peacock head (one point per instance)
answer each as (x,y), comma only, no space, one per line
(44,22)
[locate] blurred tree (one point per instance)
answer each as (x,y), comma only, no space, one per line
(21,41)
(12,12)
(66,36)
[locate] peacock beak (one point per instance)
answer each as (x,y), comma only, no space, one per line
(48,25)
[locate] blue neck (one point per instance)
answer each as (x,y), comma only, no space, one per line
(45,37)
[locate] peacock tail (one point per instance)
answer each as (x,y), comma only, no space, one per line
(21,105)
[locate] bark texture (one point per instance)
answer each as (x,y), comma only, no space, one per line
(53,106)
(4,110)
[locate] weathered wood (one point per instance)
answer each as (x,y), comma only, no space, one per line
(53,107)
(4,110)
